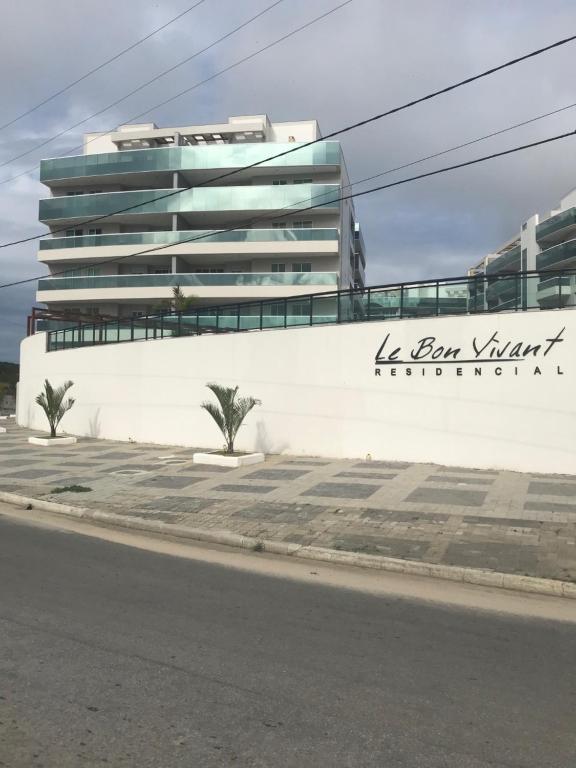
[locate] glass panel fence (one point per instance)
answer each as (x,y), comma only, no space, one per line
(453,298)
(207,199)
(188,158)
(298,311)
(483,293)
(273,314)
(204,236)
(385,303)
(324,309)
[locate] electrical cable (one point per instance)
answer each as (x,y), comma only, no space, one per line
(318,205)
(100,66)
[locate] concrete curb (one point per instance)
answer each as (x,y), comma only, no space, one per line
(478,576)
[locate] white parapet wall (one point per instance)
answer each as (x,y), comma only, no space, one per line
(492,391)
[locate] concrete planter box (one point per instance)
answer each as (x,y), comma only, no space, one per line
(221,460)
(50,441)
(2,429)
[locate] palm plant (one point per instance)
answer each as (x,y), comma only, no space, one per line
(53,404)
(231,411)
(180,302)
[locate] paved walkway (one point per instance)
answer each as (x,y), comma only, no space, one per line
(504,521)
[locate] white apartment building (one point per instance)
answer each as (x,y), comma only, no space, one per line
(277,247)
(544,244)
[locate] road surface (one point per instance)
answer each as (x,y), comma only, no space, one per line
(113,655)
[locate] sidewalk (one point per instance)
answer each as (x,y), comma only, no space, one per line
(507,522)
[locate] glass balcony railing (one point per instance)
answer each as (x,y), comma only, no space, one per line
(237,279)
(220,156)
(507,262)
(455,296)
(503,288)
(552,257)
(204,236)
(549,227)
(199,199)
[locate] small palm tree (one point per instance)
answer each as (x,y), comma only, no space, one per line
(52,403)
(231,413)
(180,302)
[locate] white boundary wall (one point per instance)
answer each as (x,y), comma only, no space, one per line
(322,393)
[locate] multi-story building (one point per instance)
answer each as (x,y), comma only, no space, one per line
(544,244)
(252,234)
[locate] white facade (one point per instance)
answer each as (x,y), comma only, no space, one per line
(493,391)
(277,248)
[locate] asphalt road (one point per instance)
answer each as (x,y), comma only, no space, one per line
(111,655)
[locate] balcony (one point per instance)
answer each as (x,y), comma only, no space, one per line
(231,285)
(188,279)
(213,200)
(506,262)
(503,290)
(299,235)
(555,291)
(556,227)
(558,256)
(169,159)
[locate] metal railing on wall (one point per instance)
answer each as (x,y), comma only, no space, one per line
(503,292)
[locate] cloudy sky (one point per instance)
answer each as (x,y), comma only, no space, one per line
(367,57)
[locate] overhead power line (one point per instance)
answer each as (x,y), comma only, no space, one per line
(140,88)
(299,147)
(291,212)
(100,66)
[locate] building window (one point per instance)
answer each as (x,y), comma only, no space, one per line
(74,232)
(278,267)
(279,225)
(305,266)
(307,224)
(524,225)
(303,181)
(279,182)
(97,231)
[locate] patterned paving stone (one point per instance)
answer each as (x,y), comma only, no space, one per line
(468,471)
(170,481)
(179,504)
(398,516)
(280,513)
(457,479)
(342,490)
(507,558)
(307,462)
(549,506)
(33,474)
(453,496)
(276,474)
(366,475)
(206,468)
(504,522)
(382,465)
(237,488)
(130,468)
(121,455)
(380,545)
(552,489)
(17,462)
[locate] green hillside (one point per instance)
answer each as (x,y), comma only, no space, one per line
(9,374)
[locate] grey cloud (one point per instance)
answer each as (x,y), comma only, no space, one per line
(370,56)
